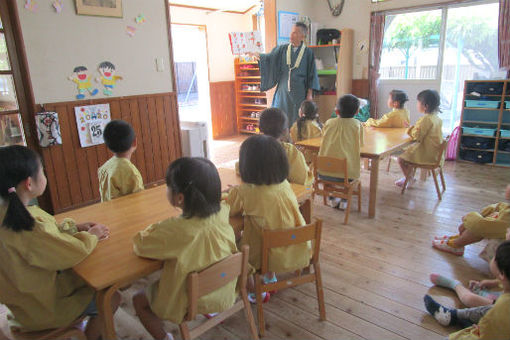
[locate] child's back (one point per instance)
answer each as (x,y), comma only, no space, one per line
(187,245)
(299,171)
(118,177)
(397,118)
(427,132)
(36,282)
(309,129)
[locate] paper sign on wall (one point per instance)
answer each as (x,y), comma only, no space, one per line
(90,121)
(246,42)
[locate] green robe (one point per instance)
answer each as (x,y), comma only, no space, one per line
(274,71)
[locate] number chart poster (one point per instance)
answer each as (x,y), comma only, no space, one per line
(90,121)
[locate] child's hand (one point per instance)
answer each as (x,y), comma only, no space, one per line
(229,187)
(461,228)
(487,284)
(474,285)
(101,231)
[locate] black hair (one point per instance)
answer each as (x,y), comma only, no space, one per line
(303,27)
(18,163)
(273,122)
(107,64)
(347,105)
(118,136)
(502,258)
(263,161)
(198,180)
(79,69)
(309,109)
(430,99)
(400,97)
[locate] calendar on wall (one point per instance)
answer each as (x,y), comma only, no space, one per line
(91,121)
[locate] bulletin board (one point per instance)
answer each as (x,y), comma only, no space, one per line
(285,22)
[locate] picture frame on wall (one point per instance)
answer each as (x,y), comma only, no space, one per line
(103,8)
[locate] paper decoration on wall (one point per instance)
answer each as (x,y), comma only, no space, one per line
(245,42)
(108,77)
(90,121)
(140,19)
(130,30)
(48,129)
(58,5)
(31,5)
(81,77)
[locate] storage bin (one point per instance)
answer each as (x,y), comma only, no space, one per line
(478,131)
(478,142)
(489,104)
(507,104)
(476,156)
(504,133)
(504,145)
(485,88)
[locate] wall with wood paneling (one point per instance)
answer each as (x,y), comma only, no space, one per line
(72,170)
(223,108)
(360,88)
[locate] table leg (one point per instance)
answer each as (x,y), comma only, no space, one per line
(104,307)
(374,178)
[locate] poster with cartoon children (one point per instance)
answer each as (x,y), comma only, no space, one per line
(81,77)
(108,77)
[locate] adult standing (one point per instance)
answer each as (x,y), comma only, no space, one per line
(291,67)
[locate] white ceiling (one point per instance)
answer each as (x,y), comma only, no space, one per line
(225,5)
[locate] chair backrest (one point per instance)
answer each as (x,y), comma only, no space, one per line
(330,164)
(216,276)
(289,237)
(442,150)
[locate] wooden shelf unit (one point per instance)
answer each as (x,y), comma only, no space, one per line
(497,119)
(248,100)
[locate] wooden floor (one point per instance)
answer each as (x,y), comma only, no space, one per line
(375,271)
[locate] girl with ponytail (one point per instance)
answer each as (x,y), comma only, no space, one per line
(198,238)
(37,283)
(308,124)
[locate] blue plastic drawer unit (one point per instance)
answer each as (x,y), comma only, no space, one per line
(478,131)
(488,104)
(507,104)
(505,133)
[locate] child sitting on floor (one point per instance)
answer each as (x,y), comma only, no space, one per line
(198,238)
(266,201)
(37,283)
(484,322)
(491,223)
(273,122)
(398,117)
(343,138)
(118,176)
(427,134)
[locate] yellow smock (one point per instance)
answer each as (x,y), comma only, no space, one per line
(310,129)
(428,136)
(495,325)
(187,245)
(491,222)
(397,118)
(343,138)
(36,282)
(299,172)
(270,207)
(118,177)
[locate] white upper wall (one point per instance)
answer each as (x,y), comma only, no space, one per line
(56,43)
(219,24)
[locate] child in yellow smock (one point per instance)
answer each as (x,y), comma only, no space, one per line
(118,176)
(343,138)
(37,283)
(490,322)
(266,201)
(198,238)
(307,126)
(427,134)
(399,115)
(491,223)
(273,122)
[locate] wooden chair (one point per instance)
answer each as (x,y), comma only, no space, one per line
(75,330)
(209,280)
(343,189)
(432,168)
(283,238)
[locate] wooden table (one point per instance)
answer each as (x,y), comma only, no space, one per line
(379,143)
(113,263)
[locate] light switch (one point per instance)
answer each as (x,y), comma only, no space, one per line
(160,64)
